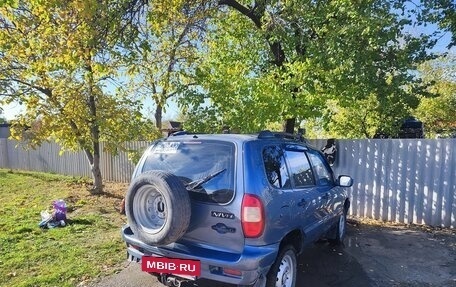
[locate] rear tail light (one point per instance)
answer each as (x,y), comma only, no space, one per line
(252,216)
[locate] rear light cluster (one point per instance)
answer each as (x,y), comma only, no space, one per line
(252,216)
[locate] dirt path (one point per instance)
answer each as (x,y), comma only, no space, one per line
(373,256)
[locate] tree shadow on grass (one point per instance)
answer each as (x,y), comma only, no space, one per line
(80,221)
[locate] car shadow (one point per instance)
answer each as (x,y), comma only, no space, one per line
(326,265)
(320,265)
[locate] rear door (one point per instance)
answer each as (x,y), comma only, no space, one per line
(280,198)
(306,204)
(207,167)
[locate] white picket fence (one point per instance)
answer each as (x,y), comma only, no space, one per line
(397,180)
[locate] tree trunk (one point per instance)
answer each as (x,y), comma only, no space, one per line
(288,125)
(158,116)
(97,178)
(95,134)
(95,165)
(94,161)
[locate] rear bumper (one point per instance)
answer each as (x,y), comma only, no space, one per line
(253,262)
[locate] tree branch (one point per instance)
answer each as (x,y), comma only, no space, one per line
(250,13)
(255,14)
(46,91)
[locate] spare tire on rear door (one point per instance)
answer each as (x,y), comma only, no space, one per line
(158,207)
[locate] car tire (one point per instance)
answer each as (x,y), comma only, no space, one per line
(283,271)
(340,230)
(158,208)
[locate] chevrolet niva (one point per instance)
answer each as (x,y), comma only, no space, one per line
(232,208)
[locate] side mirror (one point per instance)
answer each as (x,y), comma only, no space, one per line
(345,181)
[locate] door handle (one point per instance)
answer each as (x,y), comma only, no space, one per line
(302,202)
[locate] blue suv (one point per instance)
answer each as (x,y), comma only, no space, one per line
(231,208)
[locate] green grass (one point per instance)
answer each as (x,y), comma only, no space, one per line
(88,247)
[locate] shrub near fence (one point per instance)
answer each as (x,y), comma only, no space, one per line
(398,180)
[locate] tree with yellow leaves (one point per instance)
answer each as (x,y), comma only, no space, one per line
(58,58)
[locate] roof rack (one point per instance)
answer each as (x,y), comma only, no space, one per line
(267,134)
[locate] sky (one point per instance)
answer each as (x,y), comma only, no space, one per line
(11,110)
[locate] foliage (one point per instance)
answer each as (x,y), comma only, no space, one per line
(57,58)
(437,113)
(278,60)
(30,256)
(230,92)
(162,61)
(359,120)
(2,118)
(442,12)
(367,117)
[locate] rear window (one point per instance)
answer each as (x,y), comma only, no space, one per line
(195,160)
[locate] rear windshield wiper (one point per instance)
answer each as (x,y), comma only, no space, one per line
(197,183)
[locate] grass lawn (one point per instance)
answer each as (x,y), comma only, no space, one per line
(75,255)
